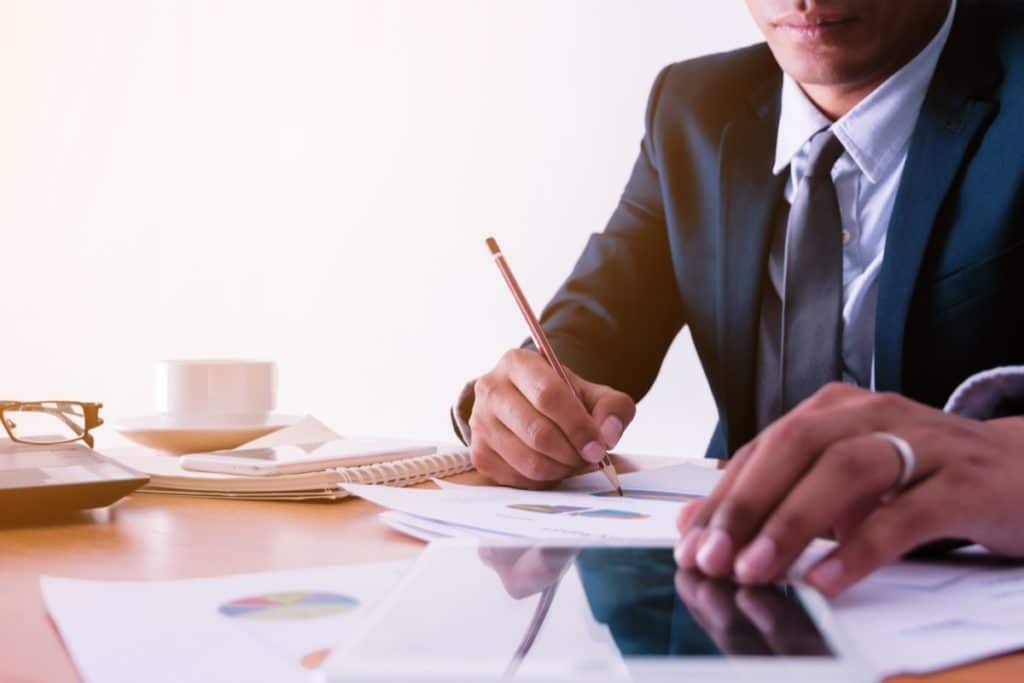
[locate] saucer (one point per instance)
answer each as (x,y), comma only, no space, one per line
(177,434)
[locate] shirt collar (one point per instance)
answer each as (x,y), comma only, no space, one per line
(877,131)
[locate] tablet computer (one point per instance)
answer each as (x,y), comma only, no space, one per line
(556,613)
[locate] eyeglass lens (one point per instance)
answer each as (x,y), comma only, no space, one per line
(46,422)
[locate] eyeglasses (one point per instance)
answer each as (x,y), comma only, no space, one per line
(47,423)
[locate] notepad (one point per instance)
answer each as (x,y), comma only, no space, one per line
(168,476)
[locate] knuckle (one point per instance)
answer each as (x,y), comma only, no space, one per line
(541,435)
(484,388)
(789,526)
(890,403)
(534,468)
(704,510)
(742,454)
(547,396)
(786,429)
(849,462)
(702,517)
(510,357)
(738,513)
(830,393)
(501,407)
(687,514)
(476,420)
(479,455)
(792,430)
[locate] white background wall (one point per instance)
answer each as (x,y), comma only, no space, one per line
(311,182)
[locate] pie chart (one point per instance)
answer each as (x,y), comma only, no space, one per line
(290,606)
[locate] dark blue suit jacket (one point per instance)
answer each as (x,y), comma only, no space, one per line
(689,240)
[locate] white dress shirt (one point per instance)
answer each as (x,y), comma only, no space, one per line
(876,135)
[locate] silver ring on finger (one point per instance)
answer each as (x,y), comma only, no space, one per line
(908,460)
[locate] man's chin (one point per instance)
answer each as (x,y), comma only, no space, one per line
(820,70)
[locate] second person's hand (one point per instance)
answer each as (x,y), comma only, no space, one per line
(528,429)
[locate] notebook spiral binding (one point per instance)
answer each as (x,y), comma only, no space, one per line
(409,472)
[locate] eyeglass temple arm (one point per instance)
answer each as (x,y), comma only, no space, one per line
(59,414)
(91,419)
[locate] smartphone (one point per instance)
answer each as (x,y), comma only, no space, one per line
(313,457)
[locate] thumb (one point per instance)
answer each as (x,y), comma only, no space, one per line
(612,410)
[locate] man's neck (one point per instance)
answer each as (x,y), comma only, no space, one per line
(836,100)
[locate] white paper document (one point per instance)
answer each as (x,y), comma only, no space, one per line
(685,478)
(580,515)
(582,509)
(915,617)
(274,626)
(431,530)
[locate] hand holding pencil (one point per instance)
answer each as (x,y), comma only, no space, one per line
(534,422)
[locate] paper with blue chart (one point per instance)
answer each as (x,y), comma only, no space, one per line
(582,509)
(274,626)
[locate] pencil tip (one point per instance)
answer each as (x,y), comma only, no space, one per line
(619,489)
(492,244)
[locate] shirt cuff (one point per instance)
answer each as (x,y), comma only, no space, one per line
(460,412)
(989,395)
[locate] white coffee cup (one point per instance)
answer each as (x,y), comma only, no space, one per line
(215,388)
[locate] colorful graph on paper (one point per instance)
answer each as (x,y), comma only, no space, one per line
(546,509)
(576,511)
(612,514)
(642,494)
(288,606)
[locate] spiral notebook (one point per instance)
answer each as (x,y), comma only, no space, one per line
(167,476)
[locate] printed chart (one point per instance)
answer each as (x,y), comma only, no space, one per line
(577,511)
(293,605)
(642,494)
(607,513)
(261,628)
(545,509)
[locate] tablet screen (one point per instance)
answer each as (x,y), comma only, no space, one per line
(504,610)
(652,609)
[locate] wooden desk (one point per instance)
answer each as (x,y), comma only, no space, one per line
(169,537)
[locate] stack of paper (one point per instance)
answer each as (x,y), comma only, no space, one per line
(166,475)
(582,508)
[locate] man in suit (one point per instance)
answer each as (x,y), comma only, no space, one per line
(838,216)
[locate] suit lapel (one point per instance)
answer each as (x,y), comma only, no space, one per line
(749,195)
(953,114)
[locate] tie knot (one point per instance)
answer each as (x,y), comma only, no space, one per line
(825,151)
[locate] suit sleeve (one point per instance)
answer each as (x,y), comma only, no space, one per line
(613,319)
